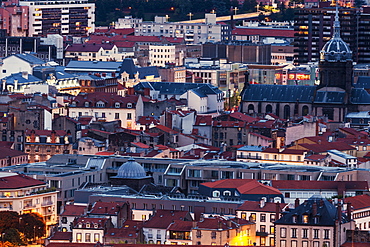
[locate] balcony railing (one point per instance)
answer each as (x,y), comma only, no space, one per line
(255,157)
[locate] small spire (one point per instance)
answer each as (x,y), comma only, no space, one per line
(336,23)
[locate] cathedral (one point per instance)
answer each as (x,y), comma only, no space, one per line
(334,97)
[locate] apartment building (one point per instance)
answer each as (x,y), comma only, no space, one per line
(263,214)
(24,194)
(316,222)
(75,18)
(193,33)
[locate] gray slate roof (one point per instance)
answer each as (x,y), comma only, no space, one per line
(326,213)
(330,97)
(176,88)
(30,58)
(279,93)
(21,80)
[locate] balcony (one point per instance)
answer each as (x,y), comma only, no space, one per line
(255,157)
(150,235)
(47,203)
(29,206)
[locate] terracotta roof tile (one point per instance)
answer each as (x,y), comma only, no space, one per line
(17,181)
(255,206)
(358,202)
(73,210)
(163,218)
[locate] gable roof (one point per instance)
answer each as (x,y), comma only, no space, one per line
(16,181)
(106,208)
(359,202)
(163,218)
(244,186)
(73,210)
(279,93)
(177,88)
(29,58)
(325,212)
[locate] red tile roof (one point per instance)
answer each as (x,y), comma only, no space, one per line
(46,132)
(18,181)
(232,124)
(243,117)
(323,147)
(244,186)
(359,202)
(7,152)
(163,218)
(180,226)
(73,210)
(139,145)
(203,120)
(62,236)
(264,32)
(89,220)
(260,136)
(143,120)
(88,47)
(166,129)
(105,153)
(122,31)
(106,208)
(255,207)
(221,223)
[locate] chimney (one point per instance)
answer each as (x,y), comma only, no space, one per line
(130,91)
(349,211)
(146,91)
(296,203)
(262,203)
(219,224)
(314,208)
(25,74)
(194,224)
(33,136)
(277,211)
(53,136)
(339,208)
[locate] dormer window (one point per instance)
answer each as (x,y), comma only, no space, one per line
(100,104)
(79,225)
(87,225)
(305,219)
(216,193)
(95,225)
(129,105)
(73,103)
(294,218)
(117,105)
(87,104)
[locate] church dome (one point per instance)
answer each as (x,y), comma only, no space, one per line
(131,169)
(336,49)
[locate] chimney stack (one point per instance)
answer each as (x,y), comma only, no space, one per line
(262,203)
(349,211)
(277,211)
(296,203)
(314,208)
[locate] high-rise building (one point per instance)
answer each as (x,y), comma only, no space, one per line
(75,18)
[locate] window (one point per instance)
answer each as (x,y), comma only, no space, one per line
(304,243)
(103,115)
(315,233)
(199,234)
(129,105)
(87,237)
(213,234)
(100,104)
(305,219)
(294,243)
(262,228)
(282,243)
(216,193)
(272,230)
(117,105)
(79,237)
(116,115)
(194,173)
(304,233)
(253,217)
(283,232)
(326,234)
(272,217)
(263,217)
(294,232)
(87,104)
(129,115)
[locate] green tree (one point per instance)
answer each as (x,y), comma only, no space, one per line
(32,226)
(249,5)
(8,219)
(13,236)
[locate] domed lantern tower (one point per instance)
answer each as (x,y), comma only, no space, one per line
(336,64)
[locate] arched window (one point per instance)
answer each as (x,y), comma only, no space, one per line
(286,111)
(216,193)
(250,108)
(269,108)
(117,105)
(87,104)
(227,193)
(304,110)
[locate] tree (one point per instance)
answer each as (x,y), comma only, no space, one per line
(32,226)
(249,5)
(13,236)
(8,219)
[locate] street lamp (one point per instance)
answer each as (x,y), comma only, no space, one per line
(2,239)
